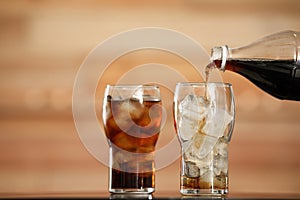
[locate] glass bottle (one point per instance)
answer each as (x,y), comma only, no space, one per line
(271,63)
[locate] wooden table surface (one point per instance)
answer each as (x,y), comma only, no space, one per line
(155,195)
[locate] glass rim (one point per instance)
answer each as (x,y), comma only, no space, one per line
(133,86)
(218,84)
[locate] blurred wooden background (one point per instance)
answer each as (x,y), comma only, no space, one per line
(42,45)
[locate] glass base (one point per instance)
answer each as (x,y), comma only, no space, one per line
(132,190)
(140,196)
(212,192)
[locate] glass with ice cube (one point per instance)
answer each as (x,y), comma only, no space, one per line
(204,118)
(132,118)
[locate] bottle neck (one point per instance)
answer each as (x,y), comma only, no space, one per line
(281,46)
(221,54)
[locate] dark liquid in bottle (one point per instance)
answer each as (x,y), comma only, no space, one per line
(280,78)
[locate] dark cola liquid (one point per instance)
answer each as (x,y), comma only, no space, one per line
(128,180)
(280,78)
(132,128)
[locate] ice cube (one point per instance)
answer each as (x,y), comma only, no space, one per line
(211,131)
(200,146)
(203,170)
(192,148)
(138,162)
(221,147)
(220,182)
(201,122)
(191,170)
(111,128)
(126,112)
(191,112)
(117,160)
(217,122)
(217,171)
(135,108)
(220,165)
(146,144)
(121,159)
(187,128)
(192,107)
(128,109)
(205,164)
(125,142)
(224,168)
(121,116)
(206,180)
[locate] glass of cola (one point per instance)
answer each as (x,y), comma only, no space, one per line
(204,118)
(132,117)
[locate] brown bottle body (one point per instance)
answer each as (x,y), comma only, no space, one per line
(272,63)
(280,78)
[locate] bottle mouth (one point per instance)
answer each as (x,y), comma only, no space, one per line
(224,57)
(220,53)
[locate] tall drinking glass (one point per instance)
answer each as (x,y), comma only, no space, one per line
(132,118)
(204,118)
